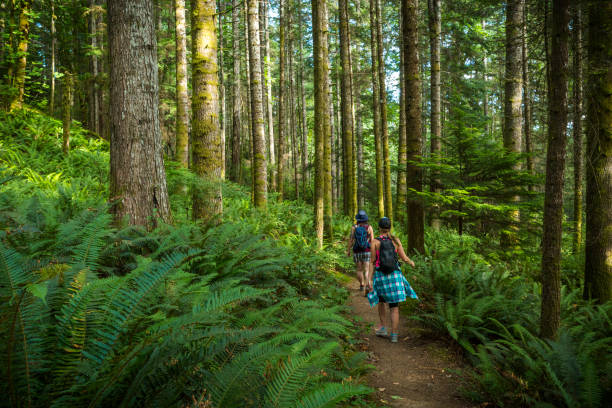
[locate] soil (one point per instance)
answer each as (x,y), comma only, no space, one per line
(413,372)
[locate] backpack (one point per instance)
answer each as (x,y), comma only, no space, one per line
(387,256)
(361,243)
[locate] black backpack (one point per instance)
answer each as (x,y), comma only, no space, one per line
(361,239)
(387,256)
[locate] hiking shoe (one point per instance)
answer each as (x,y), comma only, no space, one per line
(394,337)
(382,332)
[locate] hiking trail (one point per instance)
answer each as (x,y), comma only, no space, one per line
(411,373)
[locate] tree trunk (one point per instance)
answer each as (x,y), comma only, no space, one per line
(53,52)
(304,158)
(360,166)
(328,201)
(435,29)
(346,109)
(221,13)
(598,265)
(22,53)
(526,100)
(577,126)
(269,109)
(322,120)
(260,173)
(334,123)
(380,195)
(292,110)
(94,109)
(401,194)
(137,175)
(235,175)
(206,133)
(281,101)
(512,99)
(384,131)
(485,78)
(414,174)
(182,92)
(555,163)
(66,112)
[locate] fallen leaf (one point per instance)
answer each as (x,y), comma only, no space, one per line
(381,389)
(396,383)
(396,397)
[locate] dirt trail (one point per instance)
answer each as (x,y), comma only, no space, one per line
(412,373)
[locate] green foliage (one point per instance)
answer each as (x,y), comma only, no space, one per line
(492,312)
(240,314)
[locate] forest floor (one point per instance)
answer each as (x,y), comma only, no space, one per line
(417,372)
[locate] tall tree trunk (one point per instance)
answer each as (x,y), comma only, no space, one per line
(347,109)
(182,92)
(336,148)
(236,96)
(577,125)
(280,158)
(221,9)
(206,133)
(322,120)
(435,29)
(598,265)
(292,109)
(94,109)
(53,52)
(338,135)
(512,99)
(382,96)
(22,53)
(260,173)
(401,194)
(328,201)
(526,99)
(137,174)
(485,78)
(269,100)
(380,195)
(414,174)
(66,112)
(555,163)
(304,158)
(360,165)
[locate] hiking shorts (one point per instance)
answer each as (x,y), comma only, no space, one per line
(361,257)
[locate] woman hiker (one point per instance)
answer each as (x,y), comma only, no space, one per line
(360,240)
(386,283)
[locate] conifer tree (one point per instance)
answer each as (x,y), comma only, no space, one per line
(182,95)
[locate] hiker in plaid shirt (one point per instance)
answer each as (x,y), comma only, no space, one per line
(390,288)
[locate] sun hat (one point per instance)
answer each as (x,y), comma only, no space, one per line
(384,223)
(361,216)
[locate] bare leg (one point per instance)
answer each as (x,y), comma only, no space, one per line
(360,273)
(394,312)
(381,314)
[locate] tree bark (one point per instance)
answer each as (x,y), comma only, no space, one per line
(414,174)
(555,163)
(304,133)
(512,100)
(346,110)
(577,126)
(401,194)
(53,52)
(380,195)
(260,173)
(94,99)
(206,132)
(235,175)
(182,93)
(328,200)
(269,100)
(280,158)
(384,130)
(435,29)
(598,265)
(137,175)
(66,112)
(526,100)
(22,53)
(221,12)
(322,120)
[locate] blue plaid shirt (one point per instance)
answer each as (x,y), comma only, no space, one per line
(392,288)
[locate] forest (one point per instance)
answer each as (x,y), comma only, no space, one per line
(179,180)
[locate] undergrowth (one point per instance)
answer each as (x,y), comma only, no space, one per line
(241,314)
